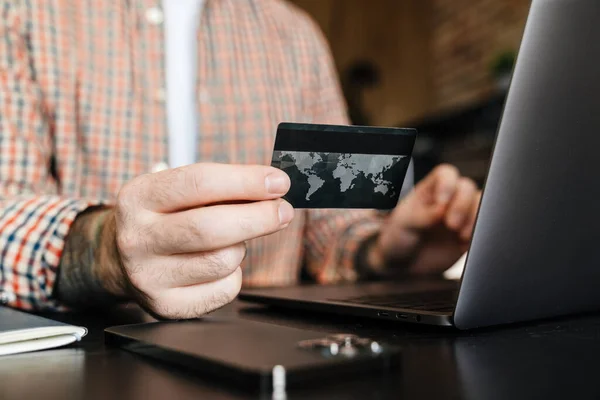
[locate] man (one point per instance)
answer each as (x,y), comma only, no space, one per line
(90,215)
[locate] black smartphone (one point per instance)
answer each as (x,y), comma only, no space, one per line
(256,355)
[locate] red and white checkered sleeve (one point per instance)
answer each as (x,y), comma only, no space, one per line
(34,219)
(332,237)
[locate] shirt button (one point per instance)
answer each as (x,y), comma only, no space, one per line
(6,297)
(155,16)
(161,166)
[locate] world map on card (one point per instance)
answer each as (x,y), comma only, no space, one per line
(329,179)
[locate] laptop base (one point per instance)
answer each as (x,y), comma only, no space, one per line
(353,300)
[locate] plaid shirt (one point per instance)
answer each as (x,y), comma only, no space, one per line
(82,112)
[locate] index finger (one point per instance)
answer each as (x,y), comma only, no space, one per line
(208,183)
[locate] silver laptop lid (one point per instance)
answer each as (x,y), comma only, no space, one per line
(536,246)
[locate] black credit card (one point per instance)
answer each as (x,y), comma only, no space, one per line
(335,166)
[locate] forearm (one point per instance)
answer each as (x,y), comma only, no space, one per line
(89,269)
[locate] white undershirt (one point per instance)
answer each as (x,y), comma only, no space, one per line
(181,26)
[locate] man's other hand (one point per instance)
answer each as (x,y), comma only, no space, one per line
(180,234)
(431,228)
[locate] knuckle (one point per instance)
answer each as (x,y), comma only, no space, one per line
(132,241)
(167,236)
(167,306)
(128,199)
(218,299)
(125,198)
(150,241)
(138,239)
(159,188)
(194,178)
(126,242)
(194,229)
(136,275)
(123,217)
(222,297)
(131,192)
(184,269)
(448,169)
(181,270)
(221,263)
(214,263)
(227,256)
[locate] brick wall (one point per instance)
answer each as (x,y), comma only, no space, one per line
(467,35)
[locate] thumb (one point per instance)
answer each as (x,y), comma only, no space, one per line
(425,206)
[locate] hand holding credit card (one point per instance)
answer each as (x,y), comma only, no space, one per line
(336,166)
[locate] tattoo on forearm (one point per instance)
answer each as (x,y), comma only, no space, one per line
(79,283)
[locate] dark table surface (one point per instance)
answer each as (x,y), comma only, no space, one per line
(555,359)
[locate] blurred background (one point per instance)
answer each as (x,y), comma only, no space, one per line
(441,66)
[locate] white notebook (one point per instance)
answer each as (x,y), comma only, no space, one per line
(21,332)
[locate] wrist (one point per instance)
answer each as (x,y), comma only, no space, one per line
(376,260)
(374,256)
(369,259)
(109,266)
(85,272)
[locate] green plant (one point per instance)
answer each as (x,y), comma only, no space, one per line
(503,63)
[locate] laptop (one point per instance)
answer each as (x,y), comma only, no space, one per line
(535,251)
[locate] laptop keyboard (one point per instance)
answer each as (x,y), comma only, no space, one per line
(440,300)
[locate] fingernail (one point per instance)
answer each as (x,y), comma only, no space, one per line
(286,213)
(277,183)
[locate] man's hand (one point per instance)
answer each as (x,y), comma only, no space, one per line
(431,228)
(180,234)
